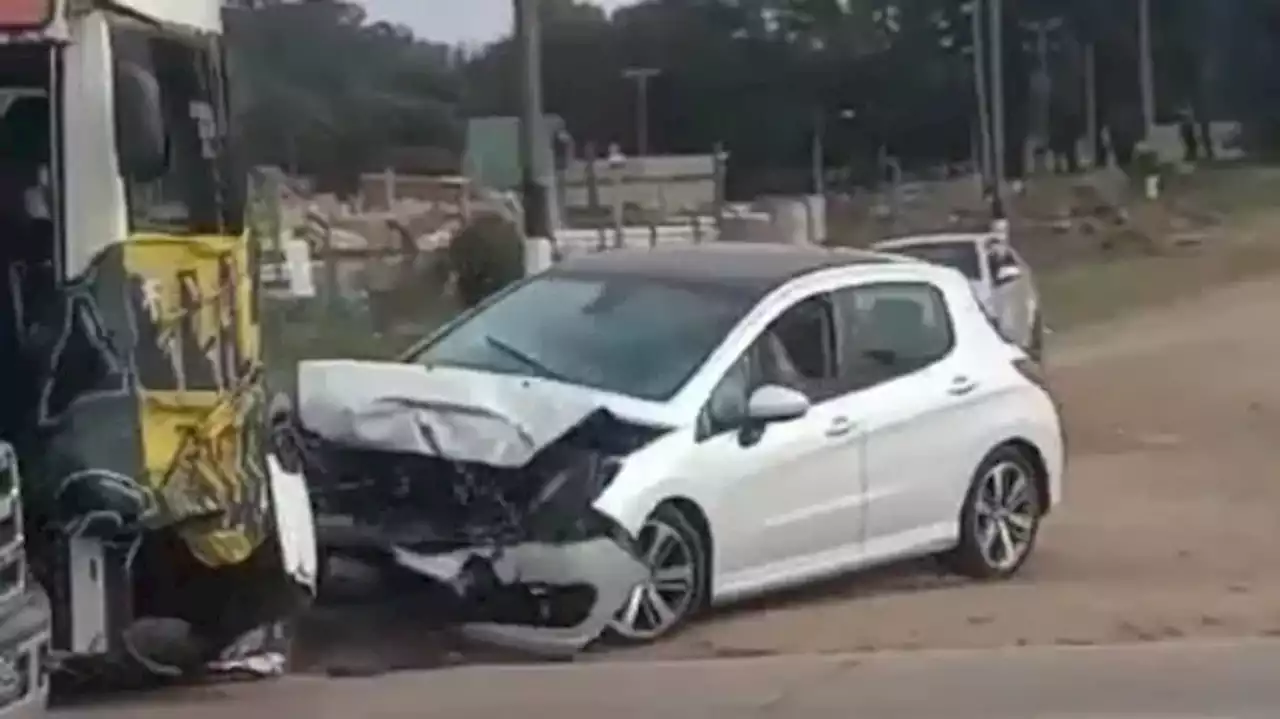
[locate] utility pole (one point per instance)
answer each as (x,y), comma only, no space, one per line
(1043,80)
(532,137)
(1091,100)
(641,77)
(980,76)
(818,153)
(1146,73)
(819,147)
(997,107)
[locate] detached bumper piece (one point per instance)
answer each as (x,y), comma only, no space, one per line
(544,594)
(545,598)
(490,498)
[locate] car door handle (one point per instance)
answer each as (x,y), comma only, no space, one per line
(840,427)
(961,386)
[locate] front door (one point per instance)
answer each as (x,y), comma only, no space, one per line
(789,489)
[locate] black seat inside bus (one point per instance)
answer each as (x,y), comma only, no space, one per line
(26,250)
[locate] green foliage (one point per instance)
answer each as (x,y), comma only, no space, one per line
(321,89)
(485,257)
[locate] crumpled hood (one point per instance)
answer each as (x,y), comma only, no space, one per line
(395,407)
(506,526)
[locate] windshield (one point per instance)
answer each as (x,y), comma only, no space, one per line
(962,256)
(637,336)
(196,194)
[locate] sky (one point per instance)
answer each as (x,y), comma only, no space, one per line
(454,21)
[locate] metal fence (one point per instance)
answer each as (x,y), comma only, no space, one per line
(362,302)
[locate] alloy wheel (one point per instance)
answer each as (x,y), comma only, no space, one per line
(659,603)
(1005,515)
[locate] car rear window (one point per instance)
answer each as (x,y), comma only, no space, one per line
(962,256)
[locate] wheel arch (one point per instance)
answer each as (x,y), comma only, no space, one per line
(693,512)
(1032,453)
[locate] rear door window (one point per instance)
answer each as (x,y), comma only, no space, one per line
(891,330)
(961,256)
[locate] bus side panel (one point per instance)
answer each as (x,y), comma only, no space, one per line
(198,359)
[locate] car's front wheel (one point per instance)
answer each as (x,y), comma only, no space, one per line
(675,552)
(1000,517)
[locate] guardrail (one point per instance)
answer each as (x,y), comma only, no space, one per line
(569,242)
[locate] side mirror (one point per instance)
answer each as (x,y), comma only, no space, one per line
(1008,273)
(140,132)
(775,403)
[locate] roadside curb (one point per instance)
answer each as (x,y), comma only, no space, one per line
(851,659)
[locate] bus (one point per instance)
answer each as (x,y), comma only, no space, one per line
(147,529)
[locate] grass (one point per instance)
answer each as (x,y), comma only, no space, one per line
(1092,289)
(1241,197)
(305,330)
(1230,189)
(1076,295)
(1098,291)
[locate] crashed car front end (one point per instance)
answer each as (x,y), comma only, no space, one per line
(487,493)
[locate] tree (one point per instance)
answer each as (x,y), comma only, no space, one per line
(326,92)
(320,90)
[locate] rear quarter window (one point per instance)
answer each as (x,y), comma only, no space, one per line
(961,256)
(891,330)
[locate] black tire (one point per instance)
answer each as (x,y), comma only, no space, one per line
(969,558)
(699,561)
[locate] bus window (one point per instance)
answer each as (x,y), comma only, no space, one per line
(190,196)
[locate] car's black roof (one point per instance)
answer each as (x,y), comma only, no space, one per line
(748,266)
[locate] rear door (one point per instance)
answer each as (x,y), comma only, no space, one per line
(909,392)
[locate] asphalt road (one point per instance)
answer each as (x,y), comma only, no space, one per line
(1228,680)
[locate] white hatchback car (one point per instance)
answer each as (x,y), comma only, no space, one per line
(1000,277)
(756,417)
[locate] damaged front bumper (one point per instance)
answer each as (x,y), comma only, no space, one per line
(543,595)
(538,597)
(489,497)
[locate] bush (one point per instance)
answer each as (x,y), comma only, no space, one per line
(1146,162)
(486,256)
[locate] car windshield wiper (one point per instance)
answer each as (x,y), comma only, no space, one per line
(524,358)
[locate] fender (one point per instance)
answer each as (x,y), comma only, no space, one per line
(295,524)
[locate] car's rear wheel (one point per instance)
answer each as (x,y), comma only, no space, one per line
(675,552)
(1000,518)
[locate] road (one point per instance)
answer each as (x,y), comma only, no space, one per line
(1169,532)
(1153,681)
